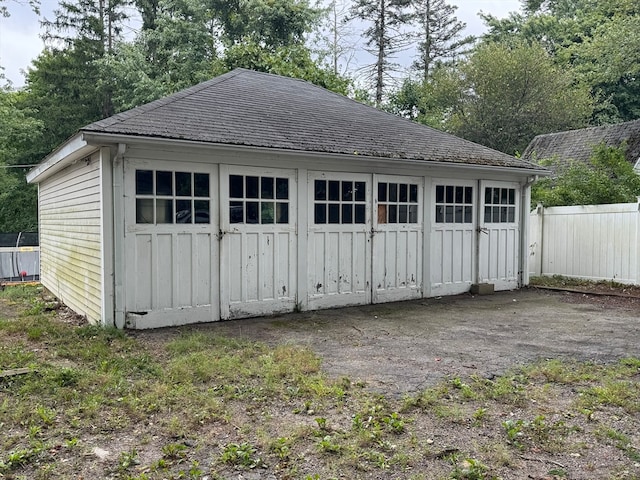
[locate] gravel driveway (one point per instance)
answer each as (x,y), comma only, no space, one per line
(403,347)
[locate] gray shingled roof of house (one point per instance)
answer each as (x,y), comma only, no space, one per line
(578,144)
(248,108)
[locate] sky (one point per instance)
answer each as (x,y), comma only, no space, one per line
(20,40)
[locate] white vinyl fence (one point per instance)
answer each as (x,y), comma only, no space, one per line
(595,242)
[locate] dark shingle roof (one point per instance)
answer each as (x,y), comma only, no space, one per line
(254,109)
(578,144)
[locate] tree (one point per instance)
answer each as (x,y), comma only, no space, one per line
(439,34)
(608,178)
(599,39)
(20,130)
(511,95)
(335,38)
(384,36)
(89,29)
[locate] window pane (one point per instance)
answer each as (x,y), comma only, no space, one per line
(449,194)
(183,211)
(183,185)
(458,214)
(144,183)
(496,215)
(266,212)
(413,193)
(236,186)
(468,214)
(144,210)
(459,195)
(334,190)
(511,215)
(504,196)
(334,213)
(202,211)
(393,214)
(440,214)
(164,211)
(503,214)
(236,212)
(404,193)
(487,214)
(201,184)
(347,191)
(320,215)
(402,214)
(360,216)
(164,184)
(282,212)
(393,192)
(382,192)
(487,195)
(496,196)
(382,213)
(360,191)
(266,187)
(413,214)
(321,189)
(251,185)
(440,194)
(282,189)
(468,195)
(252,212)
(448,214)
(347,213)
(512,196)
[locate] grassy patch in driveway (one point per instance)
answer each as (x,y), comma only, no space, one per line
(81,401)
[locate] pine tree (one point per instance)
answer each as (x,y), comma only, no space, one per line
(384,36)
(439,34)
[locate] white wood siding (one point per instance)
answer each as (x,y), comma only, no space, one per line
(595,242)
(70,246)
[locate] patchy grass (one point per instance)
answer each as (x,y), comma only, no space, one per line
(101,403)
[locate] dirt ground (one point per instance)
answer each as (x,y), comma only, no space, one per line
(405,347)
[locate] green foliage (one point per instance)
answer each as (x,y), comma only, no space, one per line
(608,178)
(599,39)
(241,455)
(513,93)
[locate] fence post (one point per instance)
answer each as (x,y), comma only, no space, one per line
(636,280)
(539,241)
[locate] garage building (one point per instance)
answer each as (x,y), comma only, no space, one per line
(253,194)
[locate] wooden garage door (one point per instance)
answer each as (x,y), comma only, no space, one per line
(339,241)
(258,267)
(453,236)
(171,245)
(397,238)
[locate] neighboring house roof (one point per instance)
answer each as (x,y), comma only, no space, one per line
(578,144)
(248,108)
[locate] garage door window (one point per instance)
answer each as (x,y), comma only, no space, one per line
(167,197)
(397,203)
(339,201)
(255,199)
(499,205)
(454,204)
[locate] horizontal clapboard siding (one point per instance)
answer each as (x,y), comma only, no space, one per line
(70,245)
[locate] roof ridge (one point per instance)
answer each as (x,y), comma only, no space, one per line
(589,128)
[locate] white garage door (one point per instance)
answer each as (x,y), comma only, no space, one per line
(453,236)
(499,234)
(339,241)
(259,244)
(397,238)
(171,246)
